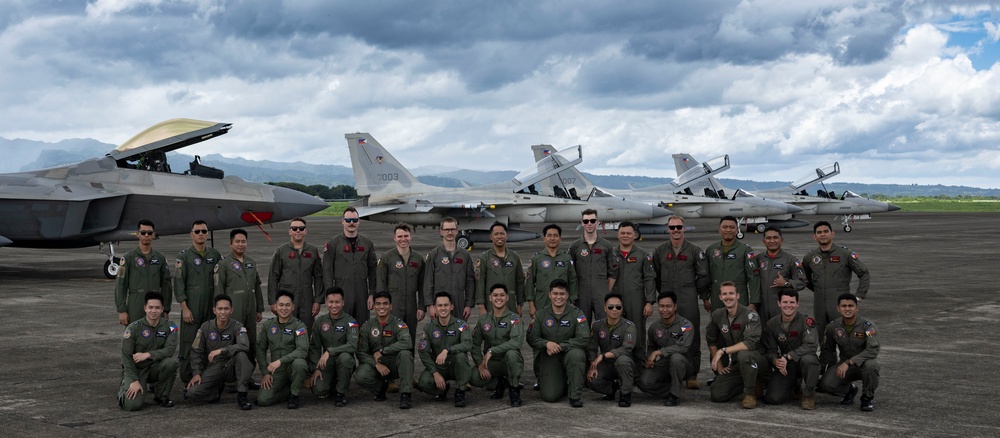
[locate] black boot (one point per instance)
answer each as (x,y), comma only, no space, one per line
(614,389)
(849,397)
(867,404)
(293,402)
(242,402)
(404,401)
(498,392)
(381,392)
(459,398)
(443,395)
(625,400)
(515,396)
(339,400)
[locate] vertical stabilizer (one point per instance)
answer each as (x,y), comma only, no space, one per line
(376,171)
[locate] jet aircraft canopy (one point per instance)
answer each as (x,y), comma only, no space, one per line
(699,173)
(549,165)
(821,174)
(148,148)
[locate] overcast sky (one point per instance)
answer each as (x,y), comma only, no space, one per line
(896,91)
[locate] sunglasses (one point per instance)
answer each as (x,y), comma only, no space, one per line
(146,233)
(589,221)
(200,231)
(614,307)
(351,220)
(297,228)
(675,227)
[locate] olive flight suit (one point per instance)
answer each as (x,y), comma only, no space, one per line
(351,266)
(339,337)
(636,282)
(737,264)
(562,372)
(241,282)
(231,364)
(685,273)
(139,273)
(748,364)
(502,337)
(675,343)
(160,342)
(796,341)
(507,270)
(620,340)
(829,276)
(194,285)
(857,344)
(289,343)
(392,340)
(404,280)
(299,271)
(456,337)
(594,265)
(452,272)
(542,269)
(790,269)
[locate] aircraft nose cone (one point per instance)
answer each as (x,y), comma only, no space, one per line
(657,211)
(893,207)
(792,209)
(293,203)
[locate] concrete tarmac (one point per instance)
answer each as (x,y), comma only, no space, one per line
(931,298)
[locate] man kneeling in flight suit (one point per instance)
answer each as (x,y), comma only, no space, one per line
(612,342)
(148,350)
(500,333)
(219,354)
(444,347)
(559,336)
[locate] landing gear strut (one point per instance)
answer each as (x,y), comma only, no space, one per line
(111,265)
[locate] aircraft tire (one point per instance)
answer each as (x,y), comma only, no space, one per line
(761,228)
(111,269)
(739,234)
(847,228)
(464,241)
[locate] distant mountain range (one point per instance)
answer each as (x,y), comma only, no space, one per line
(69,151)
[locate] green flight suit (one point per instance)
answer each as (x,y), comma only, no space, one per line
(241,282)
(339,337)
(676,344)
(685,273)
(748,365)
(492,269)
(790,269)
(502,337)
(404,280)
(829,275)
(636,283)
(859,344)
(542,269)
(454,273)
(564,372)
(231,364)
(194,285)
(289,343)
(456,337)
(299,271)
(352,267)
(138,274)
(160,341)
(594,265)
(393,340)
(620,340)
(737,264)
(797,342)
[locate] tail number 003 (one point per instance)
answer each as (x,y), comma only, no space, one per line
(387,176)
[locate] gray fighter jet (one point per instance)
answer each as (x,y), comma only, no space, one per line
(100,201)
(676,196)
(392,194)
(848,208)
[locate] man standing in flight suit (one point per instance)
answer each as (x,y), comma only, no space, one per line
(297,268)
(559,335)
(779,271)
(595,267)
(331,352)
(385,352)
(141,270)
(680,267)
(287,341)
(828,270)
(219,354)
(194,288)
(790,343)
(499,264)
(733,335)
(148,357)
(349,262)
(444,346)
(610,353)
(730,260)
(669,344)
(237,277)
(500,334)
(448,268)
(546,266)
(635,282)
(401,273)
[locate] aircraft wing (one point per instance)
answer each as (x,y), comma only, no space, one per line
(5,241)
(169,135)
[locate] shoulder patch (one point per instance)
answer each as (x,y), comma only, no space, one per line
(752,316)
(128,333)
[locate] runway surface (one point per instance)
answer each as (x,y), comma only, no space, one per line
(933,297)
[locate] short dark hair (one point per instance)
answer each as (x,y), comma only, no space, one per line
(284,293)
(350,209)
(788,293)
(628,224)
(589,211)
(448,219)
(221,297)
(154,296)
(729,283)
(236,232)
(773,228)
(198,222)
(820,224)
(145,222)
(402,226)
(498,224)
(558,283)
(443,294)
(298,219)
(550,227)
(611,295)
(667,294)
(333,290)
(500,286)
(382,294)
(728,218)
(847,296)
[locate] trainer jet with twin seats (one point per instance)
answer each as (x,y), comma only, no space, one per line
(848,208)
(676,196)
(391,194)
(99,202)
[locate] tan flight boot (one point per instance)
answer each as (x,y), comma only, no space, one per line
(749,401)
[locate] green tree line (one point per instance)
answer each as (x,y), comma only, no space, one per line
(342,191)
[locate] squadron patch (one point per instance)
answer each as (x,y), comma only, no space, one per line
(660,333)
(274,329)
(781,337)
(128,333)
(584,253)
(236,265)
(817,260)
(752,316)
(763,264)
(325,328)
(197,261)
(546,264)
(549,322)
(213,335)
(423,344)
(178,263)
(725,328)
(139,261)
(399,264)
(445,260)
(375,332)
(810,322)
(436,334)
(839,333)
(487,327)
(717,253)
(146,333)
(602,334)
(495,263)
